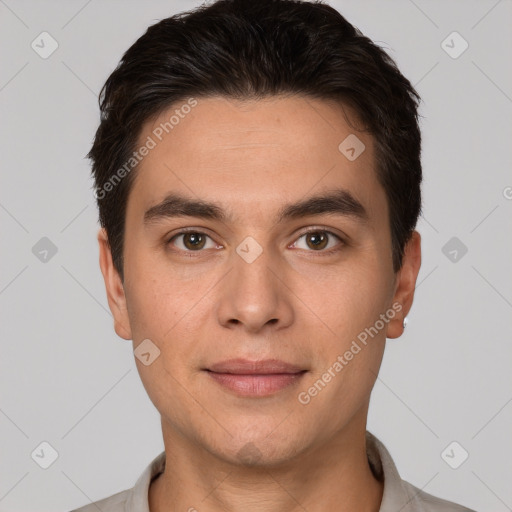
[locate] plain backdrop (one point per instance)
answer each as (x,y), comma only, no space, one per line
(68,380)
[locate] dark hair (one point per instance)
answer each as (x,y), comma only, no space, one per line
(251,49)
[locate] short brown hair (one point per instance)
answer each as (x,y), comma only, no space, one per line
(250,49)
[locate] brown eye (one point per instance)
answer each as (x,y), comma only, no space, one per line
(317,240)
(192,241)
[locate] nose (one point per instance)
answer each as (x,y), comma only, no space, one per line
(254,296)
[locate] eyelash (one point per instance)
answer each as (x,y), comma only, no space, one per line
(332,250)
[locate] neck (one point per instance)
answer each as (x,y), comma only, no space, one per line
(335,475)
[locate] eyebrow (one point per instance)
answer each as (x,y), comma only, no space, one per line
(338,202)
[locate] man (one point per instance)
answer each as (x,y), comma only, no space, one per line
(257,171)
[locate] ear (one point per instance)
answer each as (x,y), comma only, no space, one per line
(405,284)
(114,287)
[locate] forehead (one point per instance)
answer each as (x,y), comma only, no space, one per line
(251,156)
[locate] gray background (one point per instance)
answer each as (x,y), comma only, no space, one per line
(67,379)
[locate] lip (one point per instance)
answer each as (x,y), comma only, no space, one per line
(255,378)
(248,367)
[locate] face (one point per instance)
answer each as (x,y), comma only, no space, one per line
(257,270)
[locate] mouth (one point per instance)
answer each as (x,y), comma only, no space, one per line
(255,378)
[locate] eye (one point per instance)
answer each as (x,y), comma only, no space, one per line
(192,241)
(317,240)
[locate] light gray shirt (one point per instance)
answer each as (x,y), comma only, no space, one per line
(399,495)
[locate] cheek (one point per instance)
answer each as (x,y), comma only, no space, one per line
(160,312)
(153,305)
(350,299)
(172,314)
(351,352)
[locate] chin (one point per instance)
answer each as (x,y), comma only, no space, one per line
(259,446)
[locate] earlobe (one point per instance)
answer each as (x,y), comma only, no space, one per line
(114,288)
(405,285)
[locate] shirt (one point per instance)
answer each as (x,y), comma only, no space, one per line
(398,496)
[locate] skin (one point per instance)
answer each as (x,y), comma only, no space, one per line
(292,303)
